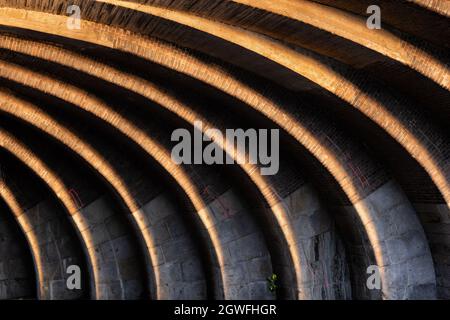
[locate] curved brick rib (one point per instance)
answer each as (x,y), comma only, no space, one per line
(139,86)
(406,129)
(153,148)
(441,7)
(339,23)
(354,189)
(402,16)
(25,155)
(33,115)
(387,43)
(159,96)
(102,282)
(51,284)
(277,207)
(417,137)
(10,200)
(17,275)
(378,201)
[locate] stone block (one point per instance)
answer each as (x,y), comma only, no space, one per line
(157,209)
(260,291)
(259,269)
(247,248)
(97,211)
(192,270)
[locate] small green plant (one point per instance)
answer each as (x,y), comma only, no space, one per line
(271,281)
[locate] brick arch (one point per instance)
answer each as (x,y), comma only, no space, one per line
(22,153)
(18,274)
(160,96)
(361,207)
(384,109)
(29,113)
(44,272)
(45,123)
(374,197)
(322,17)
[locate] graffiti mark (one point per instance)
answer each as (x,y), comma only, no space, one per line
(76,198)
(347,159)
(226,211)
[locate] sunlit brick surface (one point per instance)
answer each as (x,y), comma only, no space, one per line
(86,174)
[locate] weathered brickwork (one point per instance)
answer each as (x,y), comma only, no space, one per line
(87,177)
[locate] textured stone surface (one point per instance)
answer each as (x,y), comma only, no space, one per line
(116,254)
(15,281)
(179,267)
(51,228)
(364,173)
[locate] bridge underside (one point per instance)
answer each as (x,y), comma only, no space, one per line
(91,92)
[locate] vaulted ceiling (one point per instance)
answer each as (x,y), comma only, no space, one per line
(86,175)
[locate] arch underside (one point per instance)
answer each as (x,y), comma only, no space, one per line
(87,177)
